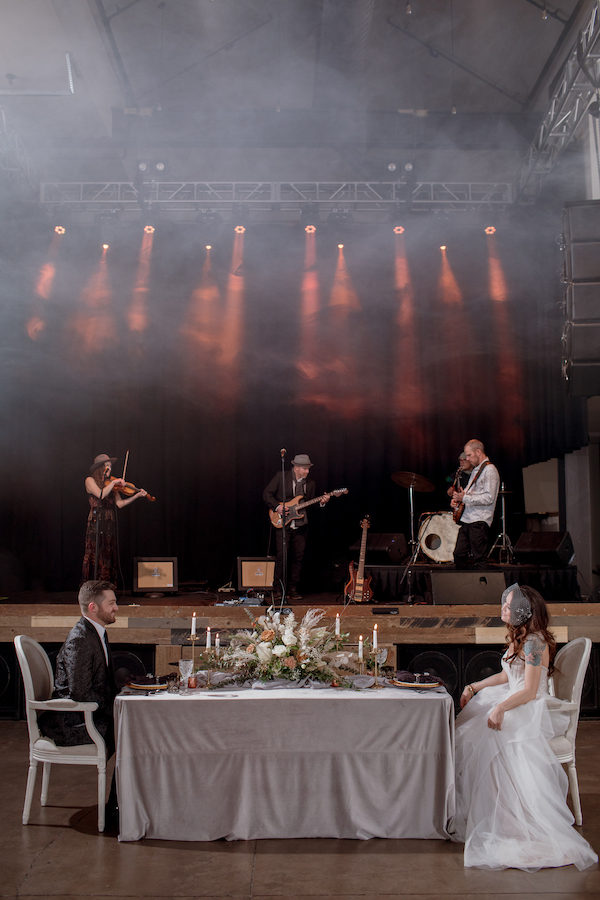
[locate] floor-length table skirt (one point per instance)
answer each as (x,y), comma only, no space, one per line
(285,764)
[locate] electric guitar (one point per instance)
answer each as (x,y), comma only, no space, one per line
(358,589)
(294,506)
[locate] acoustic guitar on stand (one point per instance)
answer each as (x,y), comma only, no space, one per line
(294,506)
(358,589)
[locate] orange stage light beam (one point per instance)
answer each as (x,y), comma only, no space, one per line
(511,399)
(455,340)
(43,287)
(307,363)
(137,317)
(94,326)
(408,397)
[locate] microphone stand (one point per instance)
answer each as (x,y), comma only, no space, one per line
(284,534)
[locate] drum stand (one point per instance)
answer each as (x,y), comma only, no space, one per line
(414,483)
(502,542)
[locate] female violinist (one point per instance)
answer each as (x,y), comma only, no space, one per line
(104,495)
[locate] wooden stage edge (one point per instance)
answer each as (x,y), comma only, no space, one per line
(164,624)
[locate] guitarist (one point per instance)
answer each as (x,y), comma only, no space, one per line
(297,484)
(461,478)
(478,500)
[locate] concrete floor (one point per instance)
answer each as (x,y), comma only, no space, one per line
(61,854)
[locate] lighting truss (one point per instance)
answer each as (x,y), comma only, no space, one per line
(568,108)
(370,202)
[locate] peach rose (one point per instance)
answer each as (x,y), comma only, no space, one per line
(251,648)
(290,662)
(267,635)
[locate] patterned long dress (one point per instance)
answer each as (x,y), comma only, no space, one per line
(107,541)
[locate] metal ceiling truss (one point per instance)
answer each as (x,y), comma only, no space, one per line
(576,89)
(370,202)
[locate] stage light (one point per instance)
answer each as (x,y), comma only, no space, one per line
(408,167)
(442,247)
(340,217)
(209,246)
(59,229)
(240,216)
(340,246)
(160,167)
(105,246)
(142,166)
(490,230)
(309,217)
(392,167)
(398,229)
(149,229)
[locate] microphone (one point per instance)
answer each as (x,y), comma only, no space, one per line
(283,451)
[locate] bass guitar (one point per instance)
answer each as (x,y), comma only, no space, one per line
(358,589)
(294,506)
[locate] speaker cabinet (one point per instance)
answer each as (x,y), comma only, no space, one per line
(544,548)
(130,660)
(383,549)
(443,661)
(458,588)
(481,663)
(255,572)
(583,301)
(582,221)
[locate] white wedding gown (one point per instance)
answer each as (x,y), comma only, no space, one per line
(511,809)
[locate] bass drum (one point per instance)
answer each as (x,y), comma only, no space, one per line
(437,536)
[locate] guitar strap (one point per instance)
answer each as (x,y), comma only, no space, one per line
(472,483)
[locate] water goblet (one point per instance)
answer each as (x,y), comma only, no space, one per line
(185,670)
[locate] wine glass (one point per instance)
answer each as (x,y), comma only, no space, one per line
(185,670)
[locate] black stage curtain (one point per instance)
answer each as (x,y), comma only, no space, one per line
(385,356)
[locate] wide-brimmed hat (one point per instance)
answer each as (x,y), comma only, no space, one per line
(101,460)
(302,459)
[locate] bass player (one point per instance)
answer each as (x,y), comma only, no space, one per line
(474,508)
(297,484)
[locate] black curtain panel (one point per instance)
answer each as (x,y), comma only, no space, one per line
(385,355)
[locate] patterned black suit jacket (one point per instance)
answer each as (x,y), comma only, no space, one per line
(81,674)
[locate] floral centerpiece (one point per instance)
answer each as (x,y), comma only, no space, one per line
(281,647)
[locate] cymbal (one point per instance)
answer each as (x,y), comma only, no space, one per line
(410,479)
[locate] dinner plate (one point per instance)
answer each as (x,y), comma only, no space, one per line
(414,684)
(148,687)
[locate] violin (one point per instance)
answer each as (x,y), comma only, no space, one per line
(127,489)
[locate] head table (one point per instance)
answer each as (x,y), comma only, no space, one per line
(285,763)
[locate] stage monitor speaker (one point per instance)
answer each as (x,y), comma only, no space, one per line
(544,548)
(582,220)
(458,588)
(383,549)
(255,572)
(155,574)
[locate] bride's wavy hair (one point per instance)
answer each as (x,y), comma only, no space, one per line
(537,624)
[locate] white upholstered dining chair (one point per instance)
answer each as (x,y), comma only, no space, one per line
(38,681)
(570,666)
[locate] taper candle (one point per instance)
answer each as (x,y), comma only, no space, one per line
(208,640)
(360,648)
(194,623)
(375,637)
(337,624)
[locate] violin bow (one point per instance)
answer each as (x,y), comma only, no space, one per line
(125,465)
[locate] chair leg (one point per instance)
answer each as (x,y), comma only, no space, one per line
(575,799)
(101,798)
(29,790)
(45,782)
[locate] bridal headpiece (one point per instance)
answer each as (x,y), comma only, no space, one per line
(520,607)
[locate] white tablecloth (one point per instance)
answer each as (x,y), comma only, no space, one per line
(285,764)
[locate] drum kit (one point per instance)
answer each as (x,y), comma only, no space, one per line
(437,530)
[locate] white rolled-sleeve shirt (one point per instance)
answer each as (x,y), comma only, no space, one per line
(480,498)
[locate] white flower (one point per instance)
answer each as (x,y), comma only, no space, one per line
(279,650)
(264,651)
(289,638)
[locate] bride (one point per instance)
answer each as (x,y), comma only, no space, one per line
(511,809)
